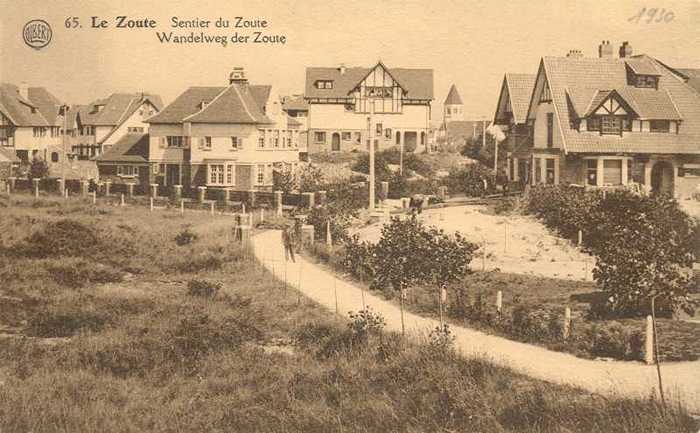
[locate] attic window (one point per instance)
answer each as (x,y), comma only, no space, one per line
(203,104)
(646,81)
(324,84)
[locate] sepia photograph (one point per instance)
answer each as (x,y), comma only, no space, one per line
(350,216)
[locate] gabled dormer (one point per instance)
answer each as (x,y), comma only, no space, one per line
(609,114)
(380,88)
(642,73)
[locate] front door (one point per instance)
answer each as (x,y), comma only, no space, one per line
(335,142)
(662,178)
(172,174)
(410,141)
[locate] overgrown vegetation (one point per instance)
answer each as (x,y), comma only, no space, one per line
(643,244)
(252,358)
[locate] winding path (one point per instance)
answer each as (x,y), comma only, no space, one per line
(611,378)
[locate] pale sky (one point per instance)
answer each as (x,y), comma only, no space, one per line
(470,43)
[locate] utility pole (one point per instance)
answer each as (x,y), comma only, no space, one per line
(370,127)
(65,109)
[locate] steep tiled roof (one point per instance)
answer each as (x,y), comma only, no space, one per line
(236,104)
(693,77)
(232,104)
(129,148)
(19,110)
(453,97)
(418,83)
(116,108)
(47,103)
(520,90)
(295,102)
(579,80)
(7,155)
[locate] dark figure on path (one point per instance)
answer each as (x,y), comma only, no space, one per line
(288,241)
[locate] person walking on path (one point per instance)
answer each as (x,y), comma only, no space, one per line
(288,241)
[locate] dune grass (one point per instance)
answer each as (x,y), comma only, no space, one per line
(144,344)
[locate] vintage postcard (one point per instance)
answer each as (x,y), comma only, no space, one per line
(350,216)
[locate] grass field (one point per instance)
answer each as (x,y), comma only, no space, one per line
(104,330)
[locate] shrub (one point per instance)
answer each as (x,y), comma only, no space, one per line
(38,169)
(202,262)
(357,258)
(365,323)
(648,243)
(185,237)
(79,273)
(321,216)
(60,238)
(64,321)
(441,338)
(642,244)
(203,288)
(608,341)
(469,180)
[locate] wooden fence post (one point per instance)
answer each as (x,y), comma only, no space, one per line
(566,330)
(649,341)
(499,302)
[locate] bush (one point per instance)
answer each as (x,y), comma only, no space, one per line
(469,180)
(642,244)
(608,341)
(80,273)
(203,262)
(64,321)
(365,323)
(65,237)
(185,237)
(441,338)
(203,288)
(321,216)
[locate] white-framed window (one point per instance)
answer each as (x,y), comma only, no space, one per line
(261,174)
(347,136)
(276,138)
(236,143)
(175,141)
(320,137)
(216,174)
(221,174)
(134,130)
(230,174)
(324,84)
(387,133)
(207,143)
(127,170)
(261,138)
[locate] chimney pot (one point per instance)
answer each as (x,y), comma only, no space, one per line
(605,50)
(237,76)
(625,50)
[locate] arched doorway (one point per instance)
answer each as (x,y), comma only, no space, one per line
(335,142)
(662,178)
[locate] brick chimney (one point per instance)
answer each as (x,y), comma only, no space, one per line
(237,76)
(342,68)
(23,90)
(605,50)
(575,54)
(625,50)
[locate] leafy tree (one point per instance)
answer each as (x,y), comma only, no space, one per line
(38,169)
(310,178)
(648,244)
(286,181)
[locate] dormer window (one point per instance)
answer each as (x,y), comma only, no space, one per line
(659,126)
(324,84)
(203,105)
(646,81)
(99,108)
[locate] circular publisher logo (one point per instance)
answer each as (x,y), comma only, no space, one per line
(37,34)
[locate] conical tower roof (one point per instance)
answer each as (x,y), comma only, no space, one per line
(453,97)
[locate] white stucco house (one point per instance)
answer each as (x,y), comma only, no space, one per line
(342,100)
